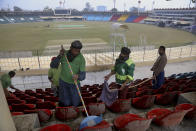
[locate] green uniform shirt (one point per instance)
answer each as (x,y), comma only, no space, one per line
(124,71)
(78,65)
(54,73)
(5,81)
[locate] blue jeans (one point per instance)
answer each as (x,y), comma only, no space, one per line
(159,81)
(68,94)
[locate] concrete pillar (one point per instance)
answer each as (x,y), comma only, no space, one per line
(6,121)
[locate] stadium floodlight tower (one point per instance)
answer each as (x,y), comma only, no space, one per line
(118,38)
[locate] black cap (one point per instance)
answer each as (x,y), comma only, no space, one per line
(125,51)
(12,73)
(76,44)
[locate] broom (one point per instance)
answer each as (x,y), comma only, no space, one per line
(132,86)
(89,120)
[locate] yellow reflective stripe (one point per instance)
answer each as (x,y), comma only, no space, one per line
(120,77)
(130,77)
(129,62)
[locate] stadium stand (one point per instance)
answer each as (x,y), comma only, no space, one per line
(173,84)
(131,19)
(139,19)
(98,18)
(107,17)
(29,101)
(115,18)
(123,18)
(143,97)
(90,17)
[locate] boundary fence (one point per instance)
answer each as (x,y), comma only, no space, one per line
(95,57)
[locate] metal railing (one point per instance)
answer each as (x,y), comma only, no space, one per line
(94,57)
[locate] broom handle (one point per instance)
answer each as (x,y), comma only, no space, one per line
(75,82)
(136,85)
(140,83)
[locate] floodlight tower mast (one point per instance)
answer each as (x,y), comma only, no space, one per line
(139,2)
(153,3)
(64,4)
(114,3)
(60,3)
(124,6)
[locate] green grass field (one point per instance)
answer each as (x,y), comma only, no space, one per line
(29,36)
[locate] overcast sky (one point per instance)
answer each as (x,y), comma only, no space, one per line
(80,4)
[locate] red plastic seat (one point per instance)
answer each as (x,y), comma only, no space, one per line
(161,90)
(57,127)
(48,90)
(30,92)
(167,118)
(132,122)
(51,98)
(66,113)
(22,107)
(86,94)
(24,96)
(17,113)
(15,101)
(39,91)
(94,91)
(49,93)
(30,111)
(103,126)
(144,92)
(167,98)
(98,94)
(40,96)
(141,88)
(31,100)
(43,114)
(121,105)
(46,105)
(189,90)
(191,114)
(143,102)
(96,109)
(174,88)
(11,97)
(131,94)
(89,100)
(18,94)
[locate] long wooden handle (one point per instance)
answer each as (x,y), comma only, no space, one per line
(135,85)
(140,83)
(75,82)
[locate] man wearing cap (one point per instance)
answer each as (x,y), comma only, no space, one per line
(123,70)
(53,76)
(68,95)
(6,82)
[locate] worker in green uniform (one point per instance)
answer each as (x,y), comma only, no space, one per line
(124,70)
(6,82)
(68,95)
(53,76)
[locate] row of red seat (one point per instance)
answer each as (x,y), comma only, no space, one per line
(159,116)
(144,97)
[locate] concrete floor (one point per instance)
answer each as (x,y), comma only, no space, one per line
(33,82)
